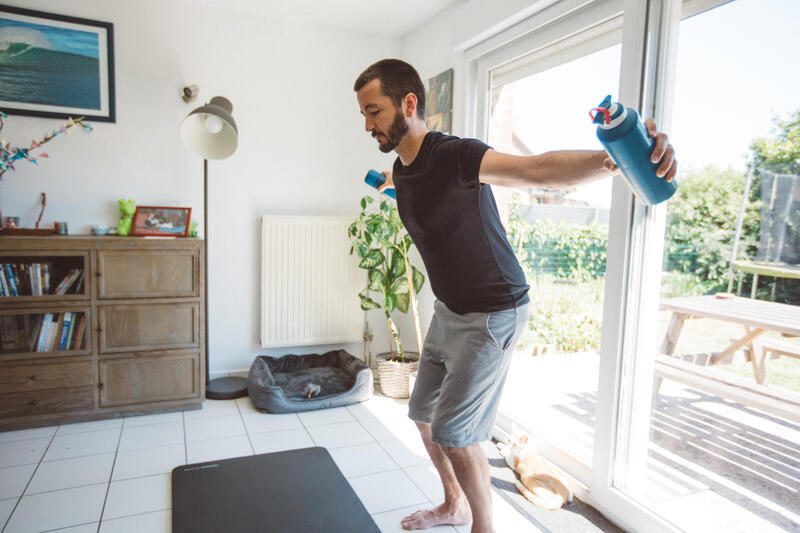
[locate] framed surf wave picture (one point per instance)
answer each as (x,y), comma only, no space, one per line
(56,66)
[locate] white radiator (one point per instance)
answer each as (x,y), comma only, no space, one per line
(309,282)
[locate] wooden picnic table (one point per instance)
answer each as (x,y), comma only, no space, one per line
(757,317)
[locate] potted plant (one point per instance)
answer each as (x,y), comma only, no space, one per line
(383,245)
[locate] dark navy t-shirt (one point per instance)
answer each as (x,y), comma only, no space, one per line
(454,222)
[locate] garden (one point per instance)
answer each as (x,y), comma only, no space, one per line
(565,263)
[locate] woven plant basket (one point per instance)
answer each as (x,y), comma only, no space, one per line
(393,375)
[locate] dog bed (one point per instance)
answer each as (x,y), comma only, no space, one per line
(295,383)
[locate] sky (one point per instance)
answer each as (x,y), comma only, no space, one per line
(737,70)
(51,37)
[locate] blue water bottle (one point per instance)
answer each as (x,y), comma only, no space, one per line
(625,138)
(376,179)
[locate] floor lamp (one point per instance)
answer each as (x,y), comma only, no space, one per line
(211,131)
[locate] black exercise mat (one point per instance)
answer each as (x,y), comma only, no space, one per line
(296,491)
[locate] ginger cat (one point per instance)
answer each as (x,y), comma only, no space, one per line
(540,483)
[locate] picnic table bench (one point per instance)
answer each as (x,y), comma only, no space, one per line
(757,317)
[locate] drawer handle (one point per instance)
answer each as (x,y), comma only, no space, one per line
(32,378)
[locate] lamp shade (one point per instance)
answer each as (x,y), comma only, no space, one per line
(210,129)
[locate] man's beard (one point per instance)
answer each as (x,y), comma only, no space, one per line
(395,134)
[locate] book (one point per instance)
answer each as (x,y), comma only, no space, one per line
(71,332)
(78,344)
(33,334)
(35,277)
(55,325)
(47,278)
(11,278)
(68,280)
(63,332)
(4,282)
(40,342)
(55,336)
(39,279)
(79,286)
(30,280)
(22,279)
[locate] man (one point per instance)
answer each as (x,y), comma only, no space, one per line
(444,198)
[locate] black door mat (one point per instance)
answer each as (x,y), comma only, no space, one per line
(291,491)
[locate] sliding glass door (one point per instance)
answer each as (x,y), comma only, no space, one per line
(708,421)
(610,415)
(685,416)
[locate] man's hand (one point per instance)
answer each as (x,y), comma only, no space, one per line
(662,151)
(389,183)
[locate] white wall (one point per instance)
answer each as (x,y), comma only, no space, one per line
(302,146)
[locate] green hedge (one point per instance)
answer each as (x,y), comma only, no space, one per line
(572,251)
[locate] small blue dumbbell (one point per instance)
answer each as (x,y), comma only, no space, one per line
(376,179)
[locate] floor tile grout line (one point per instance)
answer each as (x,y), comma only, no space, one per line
(112,519)
(137,514)
(246,430)
(305,427)
(185,441)
(357,476)
(66,527)
(411,466)
(88,430)
(110,477)
(41,459)
(67,488)
(51,437)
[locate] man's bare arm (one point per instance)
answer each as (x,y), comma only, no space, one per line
(565,169)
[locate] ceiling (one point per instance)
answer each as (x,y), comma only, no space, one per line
(380,17)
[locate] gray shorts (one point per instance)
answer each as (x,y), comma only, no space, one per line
(462,369)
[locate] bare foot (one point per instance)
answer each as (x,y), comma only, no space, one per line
(457,515)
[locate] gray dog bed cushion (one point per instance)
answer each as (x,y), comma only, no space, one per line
(281,385)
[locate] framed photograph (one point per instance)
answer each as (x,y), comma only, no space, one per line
(161,221)
(56,66)
(439,102)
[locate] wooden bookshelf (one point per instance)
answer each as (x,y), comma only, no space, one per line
(125,336)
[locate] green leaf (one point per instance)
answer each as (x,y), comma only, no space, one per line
(391,302)
(400,285)
(372,259)
(419,279)
(362,250)
(403,302)
(398,265)
(368,303)
(368,238)
(364,203)
(377,281)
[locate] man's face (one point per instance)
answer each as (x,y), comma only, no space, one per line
(382,119)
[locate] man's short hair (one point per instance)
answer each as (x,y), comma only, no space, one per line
(397,78)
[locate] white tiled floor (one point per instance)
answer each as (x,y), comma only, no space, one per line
(114,475)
